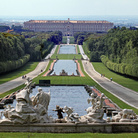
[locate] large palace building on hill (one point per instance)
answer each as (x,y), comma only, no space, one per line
(68,27)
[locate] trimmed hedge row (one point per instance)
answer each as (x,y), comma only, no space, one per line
(47,51)
(127,69)
(15,64)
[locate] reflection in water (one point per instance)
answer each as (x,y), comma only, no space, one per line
(68,65)
(67,49)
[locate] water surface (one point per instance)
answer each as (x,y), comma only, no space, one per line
(68,65)
(67,49)
(71,96)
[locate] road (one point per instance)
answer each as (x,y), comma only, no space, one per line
(128,96)
(82,53)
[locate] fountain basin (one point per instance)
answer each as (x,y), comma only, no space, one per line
(67,49)
(68,66)
(71,128)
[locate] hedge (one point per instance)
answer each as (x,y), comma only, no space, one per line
(127,69)
(47,51)
(12,65)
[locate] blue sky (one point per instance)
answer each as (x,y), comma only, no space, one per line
(67,7)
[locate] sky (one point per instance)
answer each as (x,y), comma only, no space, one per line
(67,7)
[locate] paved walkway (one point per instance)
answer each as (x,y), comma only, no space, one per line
(19,81)
(128,96)
(82,53)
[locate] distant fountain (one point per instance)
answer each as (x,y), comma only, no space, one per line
(68,40)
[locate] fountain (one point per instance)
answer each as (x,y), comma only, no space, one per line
(31,114)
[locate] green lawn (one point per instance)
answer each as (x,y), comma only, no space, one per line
(30,66)
(56,49)
(78,49)
(64,40)
(120,79)
(71,40)
(66,56)
(69,135)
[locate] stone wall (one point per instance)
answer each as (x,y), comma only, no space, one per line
(72,128)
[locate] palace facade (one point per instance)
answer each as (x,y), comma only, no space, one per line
(68,27)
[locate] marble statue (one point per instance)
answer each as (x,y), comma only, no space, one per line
(40,103)
(71,117)
(117,117)
(96,112)
(126,115)
(28,110)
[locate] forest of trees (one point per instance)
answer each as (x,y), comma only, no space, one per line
(16,50)
(118,50)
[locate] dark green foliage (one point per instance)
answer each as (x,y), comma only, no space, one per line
(95,46)
(126,69)
(19,29)
(79,37)
(11,47)
(15,47)
(14,64)
(120,46)
(95,56)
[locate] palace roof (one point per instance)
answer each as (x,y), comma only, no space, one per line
(64,21)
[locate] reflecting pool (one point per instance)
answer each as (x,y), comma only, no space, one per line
(71,96)
(67,49)
(68,65)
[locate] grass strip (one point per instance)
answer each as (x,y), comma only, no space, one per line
(30,66)
(66,56)
(67,135)
(120,79)
(64,40)
(78,49)
(56,49)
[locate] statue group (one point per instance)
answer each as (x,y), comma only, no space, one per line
(35,110)
(28,110)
